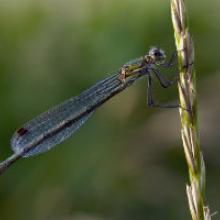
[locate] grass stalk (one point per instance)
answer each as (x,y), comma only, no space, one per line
(189,113)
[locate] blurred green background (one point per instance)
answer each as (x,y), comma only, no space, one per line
(127,161)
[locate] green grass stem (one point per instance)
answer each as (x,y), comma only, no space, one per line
(189,113)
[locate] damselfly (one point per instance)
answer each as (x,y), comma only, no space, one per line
(59,123)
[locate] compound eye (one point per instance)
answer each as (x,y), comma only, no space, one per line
(157,53)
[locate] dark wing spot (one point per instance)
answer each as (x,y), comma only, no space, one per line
(22,131)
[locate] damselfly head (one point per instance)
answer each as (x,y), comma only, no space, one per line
(157,55)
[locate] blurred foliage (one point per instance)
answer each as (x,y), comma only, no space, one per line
(127,161)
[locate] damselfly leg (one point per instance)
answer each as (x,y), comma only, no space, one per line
(149,65)
(164,82)
(150,99)
(171,62)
